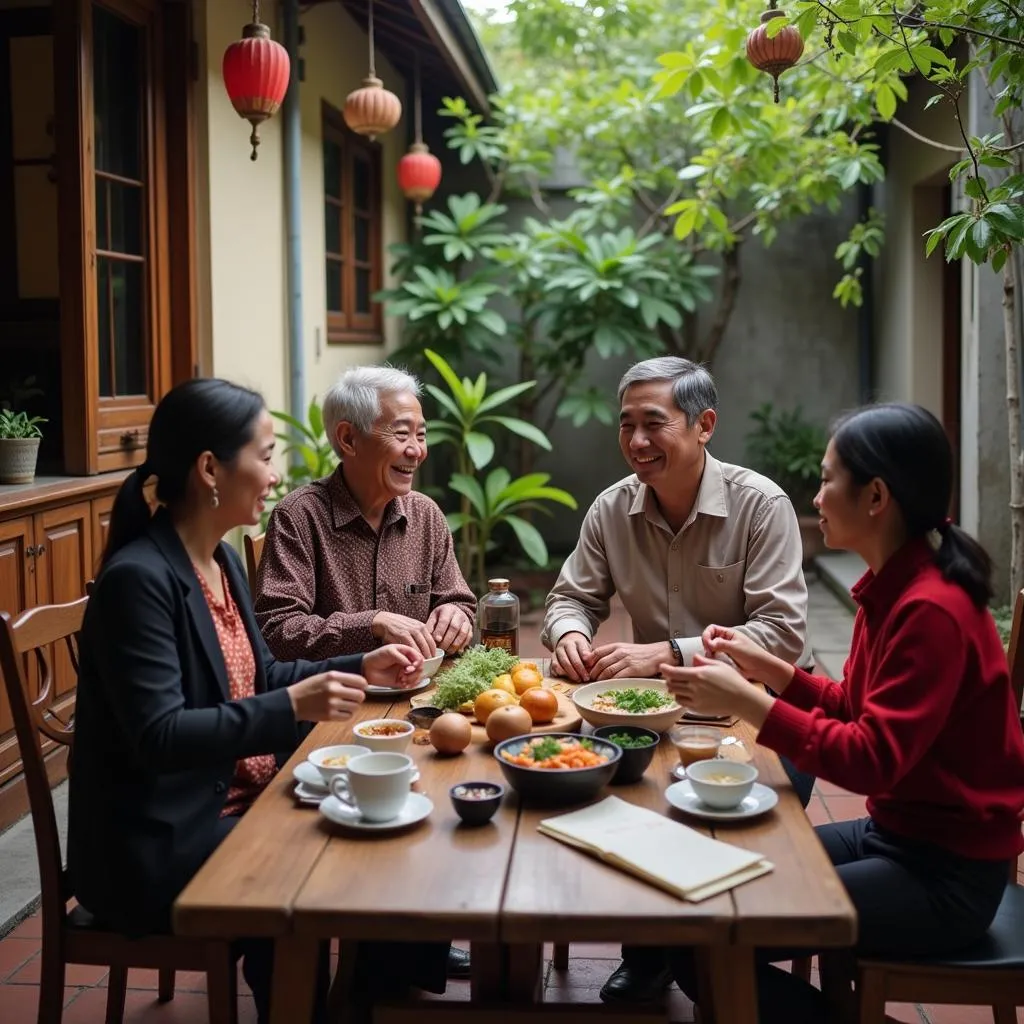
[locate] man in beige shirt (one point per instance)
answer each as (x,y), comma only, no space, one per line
(686,542)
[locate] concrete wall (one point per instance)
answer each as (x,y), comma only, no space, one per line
(240,216)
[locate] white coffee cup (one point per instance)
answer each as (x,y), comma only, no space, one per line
(377,785)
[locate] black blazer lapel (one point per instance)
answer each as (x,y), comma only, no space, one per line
(167,540)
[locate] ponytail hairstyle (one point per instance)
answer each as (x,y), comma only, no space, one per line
(906,447)
(204,414)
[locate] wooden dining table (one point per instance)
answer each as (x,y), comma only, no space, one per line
(286,873)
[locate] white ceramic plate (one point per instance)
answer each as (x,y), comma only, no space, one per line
(659,721)
(306,774)
(416,808)
(308,795)
(397,691)
(681,796)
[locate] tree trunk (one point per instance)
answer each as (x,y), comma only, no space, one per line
(731,279)
(1012,343)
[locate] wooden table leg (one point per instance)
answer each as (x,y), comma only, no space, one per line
(294,983)
(487,972)
(524,980)
(733,984)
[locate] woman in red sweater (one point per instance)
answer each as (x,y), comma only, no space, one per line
(924,723)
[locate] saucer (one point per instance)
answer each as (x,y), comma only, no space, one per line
(306,774)
(397,691)
(308,795)
(416,808)
(761,798)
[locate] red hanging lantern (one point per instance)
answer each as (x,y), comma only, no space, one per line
(774,54)
(256,71)
(419,174)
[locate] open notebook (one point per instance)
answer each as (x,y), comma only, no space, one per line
(657,849)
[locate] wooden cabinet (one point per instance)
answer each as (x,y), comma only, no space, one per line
(48,553)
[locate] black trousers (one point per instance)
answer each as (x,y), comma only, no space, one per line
(651,959)
(912,899)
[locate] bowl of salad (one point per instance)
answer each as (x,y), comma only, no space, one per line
(638,748)
(644,702)
(557,768)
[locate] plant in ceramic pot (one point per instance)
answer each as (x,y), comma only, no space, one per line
(19,446)
(787,448)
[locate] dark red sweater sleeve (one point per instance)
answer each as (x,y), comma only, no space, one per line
(901,708)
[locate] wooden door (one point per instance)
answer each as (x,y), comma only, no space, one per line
(63,567)
(101,509)
(17,592)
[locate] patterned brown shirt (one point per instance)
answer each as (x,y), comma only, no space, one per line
(324,573)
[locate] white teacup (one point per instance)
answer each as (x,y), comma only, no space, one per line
(377,785)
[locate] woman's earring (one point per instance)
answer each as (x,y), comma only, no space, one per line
(215,499)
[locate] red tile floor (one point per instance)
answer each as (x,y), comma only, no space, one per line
(85,988)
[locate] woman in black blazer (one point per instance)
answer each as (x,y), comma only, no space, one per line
(159,741)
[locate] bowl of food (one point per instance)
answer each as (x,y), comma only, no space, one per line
(391,735)
(476,802)
(638,746)
(558,768)
(331,761)
(643,702)
(721,784)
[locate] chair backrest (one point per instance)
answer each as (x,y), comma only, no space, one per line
(253,552)
(38,633)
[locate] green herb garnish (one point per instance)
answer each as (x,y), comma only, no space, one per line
(587,744)
(636,702)
(471,675)
(545,749)
(624,740)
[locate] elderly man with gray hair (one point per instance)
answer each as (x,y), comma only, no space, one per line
(360,559)
(686,541)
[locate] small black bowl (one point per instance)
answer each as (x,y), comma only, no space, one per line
(635,760)
(558,788)
(476,810)
(423,718)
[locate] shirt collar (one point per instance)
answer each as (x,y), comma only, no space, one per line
(710,495)
(876,594)
(345,508)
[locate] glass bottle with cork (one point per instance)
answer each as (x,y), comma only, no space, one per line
(497,617)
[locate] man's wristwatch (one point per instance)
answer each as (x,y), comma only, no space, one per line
(677,651)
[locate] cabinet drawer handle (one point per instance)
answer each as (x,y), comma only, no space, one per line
(30,551)
(41,549)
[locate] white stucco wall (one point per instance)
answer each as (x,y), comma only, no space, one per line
(241,213)
(908,356)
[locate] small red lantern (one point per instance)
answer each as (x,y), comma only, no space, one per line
(256,71)
(372,110)
(774,54)
(419,174)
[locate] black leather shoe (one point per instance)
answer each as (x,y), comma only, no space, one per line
(628,985)
(458,963)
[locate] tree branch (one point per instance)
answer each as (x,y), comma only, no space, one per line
(923,138)
(731,278)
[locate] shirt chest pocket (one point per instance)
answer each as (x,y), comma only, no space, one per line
(413,599)
(718,595)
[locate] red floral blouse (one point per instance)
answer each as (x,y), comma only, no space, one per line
(252,774)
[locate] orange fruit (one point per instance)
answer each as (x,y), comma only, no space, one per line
(491,700)
(506,722)
(541,704)
(503,683)
(525,678)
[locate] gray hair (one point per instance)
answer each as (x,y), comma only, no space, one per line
(693,388)
(355,398)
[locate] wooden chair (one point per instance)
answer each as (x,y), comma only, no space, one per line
(253,552)
(990,973)
(73,936)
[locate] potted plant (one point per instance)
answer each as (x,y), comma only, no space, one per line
(787,448)
(19,446)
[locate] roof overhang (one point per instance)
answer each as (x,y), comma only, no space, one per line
(439,33)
